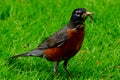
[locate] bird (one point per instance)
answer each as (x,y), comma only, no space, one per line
(65,43)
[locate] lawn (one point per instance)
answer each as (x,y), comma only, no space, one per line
(24,24)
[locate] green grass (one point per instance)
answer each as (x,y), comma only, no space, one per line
(26,23)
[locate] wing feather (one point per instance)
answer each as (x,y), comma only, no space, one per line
(56,40)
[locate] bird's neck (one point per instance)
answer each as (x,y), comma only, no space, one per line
(73,24)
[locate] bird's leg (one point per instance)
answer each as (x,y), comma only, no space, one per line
(56,67)
(65,66)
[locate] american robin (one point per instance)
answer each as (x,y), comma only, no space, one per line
(65,43)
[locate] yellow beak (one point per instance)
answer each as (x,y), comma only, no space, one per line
(89,13)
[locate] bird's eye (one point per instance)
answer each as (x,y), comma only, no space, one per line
(77,14)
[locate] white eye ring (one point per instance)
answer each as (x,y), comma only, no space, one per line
(77,14)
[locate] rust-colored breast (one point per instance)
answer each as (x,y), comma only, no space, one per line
(69,48)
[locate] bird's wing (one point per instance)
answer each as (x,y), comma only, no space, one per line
(55,40)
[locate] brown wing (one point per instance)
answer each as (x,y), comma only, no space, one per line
(55,40)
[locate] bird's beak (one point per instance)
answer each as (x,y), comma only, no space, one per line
(90,14)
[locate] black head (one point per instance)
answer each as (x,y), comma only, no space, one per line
(79,16)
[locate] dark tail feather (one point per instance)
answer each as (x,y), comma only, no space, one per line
(20,55)
(37,53)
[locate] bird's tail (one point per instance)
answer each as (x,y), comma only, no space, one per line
(37,53)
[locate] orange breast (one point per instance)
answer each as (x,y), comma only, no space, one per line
(69,48)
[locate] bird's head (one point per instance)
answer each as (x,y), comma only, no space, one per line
(79,16)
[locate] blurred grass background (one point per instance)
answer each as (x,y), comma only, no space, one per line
(26,23)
